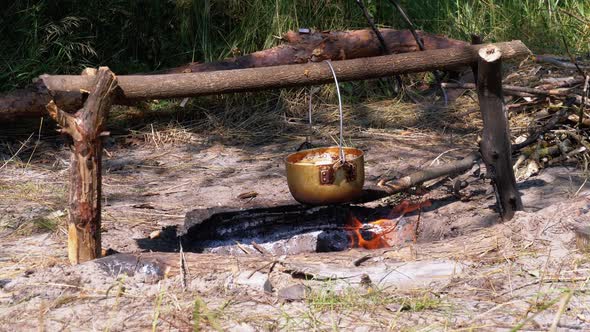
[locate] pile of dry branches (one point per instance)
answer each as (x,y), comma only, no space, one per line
(548,102)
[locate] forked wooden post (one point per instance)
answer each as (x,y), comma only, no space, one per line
(495,144)
(85,128)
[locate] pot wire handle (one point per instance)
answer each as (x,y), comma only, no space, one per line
(342,158)
(310,132)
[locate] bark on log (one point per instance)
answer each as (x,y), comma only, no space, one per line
(475,40)
(396,185)
(67,89)
(85,128)
(495,145)
(320,46)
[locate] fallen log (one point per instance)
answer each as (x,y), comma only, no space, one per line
(495,143)
(253,272)
(320,46)
(69,91)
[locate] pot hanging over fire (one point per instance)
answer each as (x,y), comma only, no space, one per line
(328,175)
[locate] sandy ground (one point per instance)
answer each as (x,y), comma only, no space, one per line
(467,271)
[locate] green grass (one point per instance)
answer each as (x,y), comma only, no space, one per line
(358,299)
(131,36)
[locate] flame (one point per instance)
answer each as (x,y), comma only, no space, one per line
(358,241)
(385,227)
(406,207)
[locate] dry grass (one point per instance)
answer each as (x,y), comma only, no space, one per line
(503,281)
(259,119)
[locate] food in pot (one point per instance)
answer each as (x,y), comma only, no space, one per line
(324,158)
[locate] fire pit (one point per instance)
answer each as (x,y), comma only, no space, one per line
(294,229)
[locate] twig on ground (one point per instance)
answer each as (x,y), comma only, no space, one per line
(260,248)
(576,119)
(531,317)
(565,299)
(568,155)
(543,281)
(575,136)
(361,260)
(183,266)
(36,144)
(555,119)
(563,82)
(584,99)
(246,251)
(271,264)
(519,105)
(18,151)
(442,154)
(554,61)
(512,88)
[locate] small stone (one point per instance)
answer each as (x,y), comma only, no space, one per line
(394,307)
(256,280)
(242,327)
(366,280)
(295,292)
(268,286)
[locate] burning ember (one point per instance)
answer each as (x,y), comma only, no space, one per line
(384,233)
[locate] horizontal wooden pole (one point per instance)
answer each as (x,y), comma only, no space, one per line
(67,90)
(253,79)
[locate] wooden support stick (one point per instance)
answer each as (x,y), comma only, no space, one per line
(85,128)
(495,145)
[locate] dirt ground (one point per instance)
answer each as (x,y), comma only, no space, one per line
(467,271)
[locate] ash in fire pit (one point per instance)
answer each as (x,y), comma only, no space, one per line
(296,229)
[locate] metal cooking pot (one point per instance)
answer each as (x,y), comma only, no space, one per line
(329,175)
(321,183)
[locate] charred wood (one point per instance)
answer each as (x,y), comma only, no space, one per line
(495,144)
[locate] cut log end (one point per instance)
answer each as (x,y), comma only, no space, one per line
(89,72)
(490,53)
